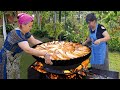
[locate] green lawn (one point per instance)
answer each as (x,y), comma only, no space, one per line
(27,60)
(114,61)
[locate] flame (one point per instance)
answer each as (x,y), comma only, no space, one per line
(68,74)
(53,76)
(84,65)
(61,76)
(72,76)
(39,67)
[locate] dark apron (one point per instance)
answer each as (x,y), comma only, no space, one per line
(98,54)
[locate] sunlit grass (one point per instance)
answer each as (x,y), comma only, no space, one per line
(114,60)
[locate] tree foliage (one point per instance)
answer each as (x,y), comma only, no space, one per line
(71,25)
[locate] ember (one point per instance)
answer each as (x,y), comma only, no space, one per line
(63,76)
(102,74)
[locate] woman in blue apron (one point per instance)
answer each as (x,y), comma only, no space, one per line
(98,37)
(16,42)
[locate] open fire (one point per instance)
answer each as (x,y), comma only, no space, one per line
(77,73)
(37,71)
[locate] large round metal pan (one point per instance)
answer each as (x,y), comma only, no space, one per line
(63,64)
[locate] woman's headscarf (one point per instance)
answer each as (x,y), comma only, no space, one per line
(24,18)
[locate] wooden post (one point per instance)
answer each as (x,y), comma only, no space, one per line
(4,27)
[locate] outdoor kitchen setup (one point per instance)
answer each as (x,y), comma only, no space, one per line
(70,61)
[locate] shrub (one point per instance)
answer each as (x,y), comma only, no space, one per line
(49,28)
(9,27)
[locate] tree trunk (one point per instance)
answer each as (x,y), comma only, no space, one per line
(38,18)
(79,17)
(55,14)
(65,21)
(60,16)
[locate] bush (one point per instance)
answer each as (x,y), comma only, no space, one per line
(54,34)
(114,43)
(37,32)
(40,33)
(9,27)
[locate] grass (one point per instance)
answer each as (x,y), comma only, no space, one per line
(26,61)
(114,60)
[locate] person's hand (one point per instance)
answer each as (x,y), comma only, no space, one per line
(83,43)
(48,59)
(97,41)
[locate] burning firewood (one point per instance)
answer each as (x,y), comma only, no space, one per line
(53,76)
(85,63)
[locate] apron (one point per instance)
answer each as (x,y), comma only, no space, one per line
(9,65)
(13,65)
(3,74)
(98,53)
